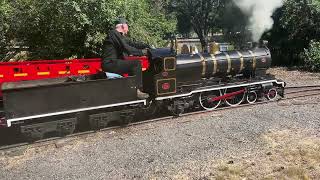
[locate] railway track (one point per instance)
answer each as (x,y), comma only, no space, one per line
(294,92)
(299,87)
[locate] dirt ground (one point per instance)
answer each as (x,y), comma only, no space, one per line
(288,154)
(272,141)
(295,77)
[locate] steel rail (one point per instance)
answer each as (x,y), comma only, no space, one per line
(306,95)
(301,91)
(307,86)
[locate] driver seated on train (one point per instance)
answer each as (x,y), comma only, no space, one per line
(115,47)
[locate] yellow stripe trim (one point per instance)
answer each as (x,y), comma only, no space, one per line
(1,75)
(241,61)
(64,72)
(204,65)
(215,64)
(229,62)
(84,71)
(254,63)
(21,75)
(43,73)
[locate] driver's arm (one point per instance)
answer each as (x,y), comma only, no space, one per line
(120,40)
(137,44)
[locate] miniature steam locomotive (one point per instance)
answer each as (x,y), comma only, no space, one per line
(177,83)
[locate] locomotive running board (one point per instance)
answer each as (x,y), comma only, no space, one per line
(10,121)
(283,84)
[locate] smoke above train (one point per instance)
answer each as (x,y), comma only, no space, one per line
(259,13)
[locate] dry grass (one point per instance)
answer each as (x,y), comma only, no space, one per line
(298,153)
(230,172)
(288,155)
(291,155)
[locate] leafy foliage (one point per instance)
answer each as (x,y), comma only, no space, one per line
(296,24)
(234,24)
(312,56)
(200,14)
(4,26)
(76,28)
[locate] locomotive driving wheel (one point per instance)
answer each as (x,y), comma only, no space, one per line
(207,99)
(252,97)
(272,94)
(235,99)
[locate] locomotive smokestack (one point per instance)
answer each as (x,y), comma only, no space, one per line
(259,12)
(256,45)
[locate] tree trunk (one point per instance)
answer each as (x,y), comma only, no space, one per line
(203,39)
(204,44)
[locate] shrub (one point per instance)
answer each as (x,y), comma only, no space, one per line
(312,56)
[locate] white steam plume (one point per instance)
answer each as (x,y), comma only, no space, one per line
(259,12)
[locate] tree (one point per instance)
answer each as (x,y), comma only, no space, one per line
(312,56)
(301,19)
(296,24)
(234,24)
(5,11)
(184,26)
(201,14)
(76,28)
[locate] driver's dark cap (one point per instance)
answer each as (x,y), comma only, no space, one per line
(120,20)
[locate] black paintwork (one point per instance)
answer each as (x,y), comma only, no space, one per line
(190,67)
(161,53)
(165,77)
(193,69)
(31,100)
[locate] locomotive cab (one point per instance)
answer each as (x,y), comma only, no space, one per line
(160,78)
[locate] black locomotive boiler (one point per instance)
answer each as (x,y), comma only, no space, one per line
(208,80)
(177,83)
(195,68)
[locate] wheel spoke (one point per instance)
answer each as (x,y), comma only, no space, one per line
(236,99)
(206,101)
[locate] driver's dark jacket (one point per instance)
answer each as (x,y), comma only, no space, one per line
(116,46)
